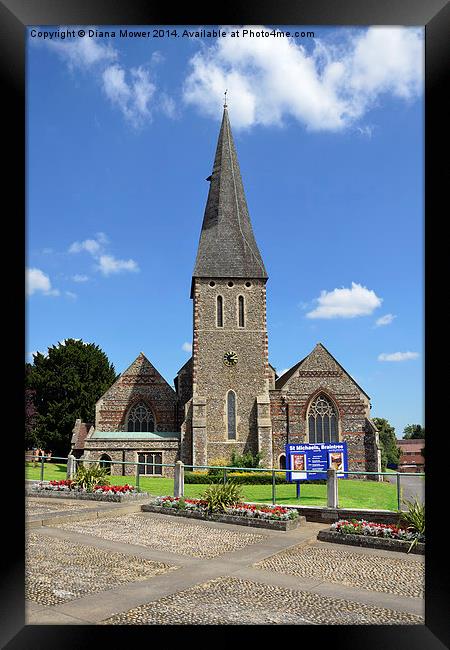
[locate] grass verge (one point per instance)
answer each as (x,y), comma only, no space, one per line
(352,493)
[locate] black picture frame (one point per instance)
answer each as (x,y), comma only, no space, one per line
(15,16)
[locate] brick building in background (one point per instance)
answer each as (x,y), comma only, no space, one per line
(412,458)
(227,396)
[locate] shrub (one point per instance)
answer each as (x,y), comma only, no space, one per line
(199,477)
(88,478)
(220,495)
(246,460)
(221,462)
(414,519)
(242,478)
(256,478)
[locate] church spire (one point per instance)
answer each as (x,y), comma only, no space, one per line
(227,246)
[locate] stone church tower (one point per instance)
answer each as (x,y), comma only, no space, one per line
(231,376)
(227,396)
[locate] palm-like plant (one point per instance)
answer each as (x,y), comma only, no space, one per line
(220,495)
(89,477)
(414,518)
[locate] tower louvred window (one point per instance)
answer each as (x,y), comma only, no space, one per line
(219,311)
(322,421)
(140,418)
(241,311)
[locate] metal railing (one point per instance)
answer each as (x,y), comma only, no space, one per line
(226,470)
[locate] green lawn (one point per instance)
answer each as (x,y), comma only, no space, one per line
(352,493)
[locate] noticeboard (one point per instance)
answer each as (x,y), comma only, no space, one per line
(301,459)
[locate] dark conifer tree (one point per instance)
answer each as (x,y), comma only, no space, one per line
(64,385)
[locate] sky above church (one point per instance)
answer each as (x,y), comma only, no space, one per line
(122,126)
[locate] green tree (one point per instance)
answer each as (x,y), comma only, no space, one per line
(390,453)
(412,431)
(66,383)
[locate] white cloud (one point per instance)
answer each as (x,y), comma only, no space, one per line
(167,106)
(365,131)
(82,52)
(328,88)
(187,347)
(345,303)
(37,281)
(385,320)
(132,97)
(397,356)
(129,89)
(71,294)
(91,246)
(109,265)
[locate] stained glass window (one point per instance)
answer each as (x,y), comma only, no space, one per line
(140,418)
(231,413)
(322,421)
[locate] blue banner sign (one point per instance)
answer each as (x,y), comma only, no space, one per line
(319,457)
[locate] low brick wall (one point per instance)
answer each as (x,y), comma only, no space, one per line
(83,496)
(330,515)
(370,542)
(289,524)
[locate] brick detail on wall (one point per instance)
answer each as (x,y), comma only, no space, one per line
(141,382)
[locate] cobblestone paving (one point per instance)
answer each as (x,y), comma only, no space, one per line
(195,540)
(404,577)
(58,570)
(34,507)
(233,601)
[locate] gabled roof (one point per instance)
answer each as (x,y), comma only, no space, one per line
(141,365)
(185,365)
(227,246)
(80,432)
(282,381)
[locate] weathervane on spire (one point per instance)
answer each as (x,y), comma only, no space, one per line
(225,99)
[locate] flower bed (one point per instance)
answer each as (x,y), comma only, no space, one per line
(372,535)
(245,514)
(69,490)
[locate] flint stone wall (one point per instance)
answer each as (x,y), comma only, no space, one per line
(128,450)
(212,379)
(318,373)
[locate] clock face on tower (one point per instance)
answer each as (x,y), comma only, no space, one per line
(230,358)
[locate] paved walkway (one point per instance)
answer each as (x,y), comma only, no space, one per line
(112,565)
(412,487)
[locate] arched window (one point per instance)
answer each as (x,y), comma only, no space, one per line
(140,418)
(105,463)
(282,461)
(219,311)
(231,415)
(322,420)
(241,311)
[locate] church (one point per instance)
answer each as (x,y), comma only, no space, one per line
(227,396)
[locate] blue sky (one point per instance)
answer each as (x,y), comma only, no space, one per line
(121,135)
